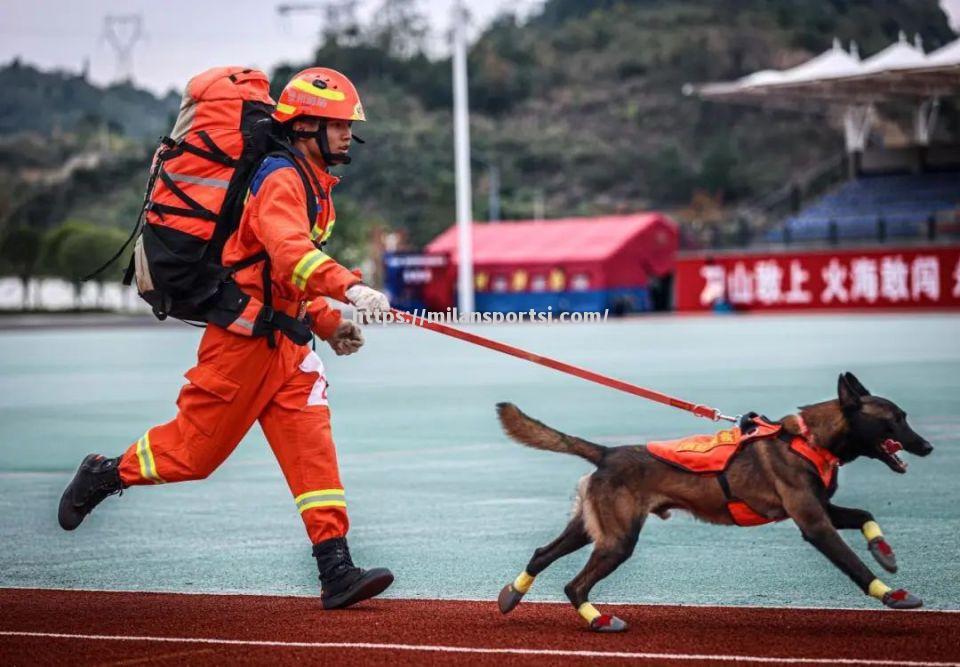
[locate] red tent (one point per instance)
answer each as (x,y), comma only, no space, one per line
(588,254)
(623,250)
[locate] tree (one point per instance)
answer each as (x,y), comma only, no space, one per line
(718,172)
(20,250)
(85,250)
(50,250)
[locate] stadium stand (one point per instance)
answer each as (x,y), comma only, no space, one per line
(872,207)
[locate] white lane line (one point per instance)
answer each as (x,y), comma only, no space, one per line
(611,603)
(432,648)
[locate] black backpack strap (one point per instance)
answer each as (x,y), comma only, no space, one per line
(268,299)
(312,187)
(214,156)
(214,149)
(248,261)
(151,181)
(198,209)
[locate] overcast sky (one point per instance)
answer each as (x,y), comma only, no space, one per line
(183,37)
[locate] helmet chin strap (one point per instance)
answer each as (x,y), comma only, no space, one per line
(323,143)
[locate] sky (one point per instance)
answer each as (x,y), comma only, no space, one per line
(184,37)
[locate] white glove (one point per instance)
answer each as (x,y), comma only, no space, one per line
(347,339)
(370,303)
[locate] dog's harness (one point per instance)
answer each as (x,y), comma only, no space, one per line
(712,455)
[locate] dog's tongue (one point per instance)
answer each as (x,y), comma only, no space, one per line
(891,446)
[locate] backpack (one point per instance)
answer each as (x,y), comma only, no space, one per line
(194,200)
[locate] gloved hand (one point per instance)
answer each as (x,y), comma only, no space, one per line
(347,339)
(369,302)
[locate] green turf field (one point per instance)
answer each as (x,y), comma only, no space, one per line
(439,495)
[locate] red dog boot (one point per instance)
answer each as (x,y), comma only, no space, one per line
(901,599)
(883,554)
(608,623)
(600,622)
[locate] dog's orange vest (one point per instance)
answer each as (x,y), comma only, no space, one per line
(712,454)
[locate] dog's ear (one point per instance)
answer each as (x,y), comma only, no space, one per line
(848,395)
(855,384)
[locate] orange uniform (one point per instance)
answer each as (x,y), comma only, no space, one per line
(240,379)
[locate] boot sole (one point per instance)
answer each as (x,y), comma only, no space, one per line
(372,584)
(67,513)
(68,517)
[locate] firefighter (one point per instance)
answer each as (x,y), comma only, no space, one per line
(239,380)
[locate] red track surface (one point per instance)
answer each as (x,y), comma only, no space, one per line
(160,628)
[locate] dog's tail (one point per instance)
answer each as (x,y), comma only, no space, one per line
(533,433)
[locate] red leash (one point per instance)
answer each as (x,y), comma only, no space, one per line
(699,410)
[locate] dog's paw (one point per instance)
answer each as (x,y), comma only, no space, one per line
(901,599)
(883,554)
(509,598)
(608,623)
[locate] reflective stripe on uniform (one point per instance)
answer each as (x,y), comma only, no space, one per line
(197,180)
(325,93)
(306,266)
(319,234)
(148,467)
(322,498)
(286,108)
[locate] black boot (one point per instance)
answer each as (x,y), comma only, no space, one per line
(341,582)
(96,478)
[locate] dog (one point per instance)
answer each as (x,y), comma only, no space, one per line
(763,480)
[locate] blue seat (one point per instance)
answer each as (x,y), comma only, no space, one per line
(905,202)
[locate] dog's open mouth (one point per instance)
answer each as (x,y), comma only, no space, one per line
(890,447)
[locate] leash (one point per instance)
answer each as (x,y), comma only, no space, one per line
(704,411)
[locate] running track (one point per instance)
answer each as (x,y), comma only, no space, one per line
(87,627)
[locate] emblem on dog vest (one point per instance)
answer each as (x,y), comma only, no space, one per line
(712,455)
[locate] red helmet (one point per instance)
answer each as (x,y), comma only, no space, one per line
(320,92)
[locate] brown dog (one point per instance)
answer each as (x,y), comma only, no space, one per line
(765,479)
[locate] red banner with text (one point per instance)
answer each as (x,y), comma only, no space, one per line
(843,279)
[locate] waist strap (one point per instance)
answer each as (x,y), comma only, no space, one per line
(238,312)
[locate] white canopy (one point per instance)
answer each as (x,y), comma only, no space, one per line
(948,55)
(900,70)
(898,56)
(830,64)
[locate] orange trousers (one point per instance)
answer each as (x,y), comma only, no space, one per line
(236,382)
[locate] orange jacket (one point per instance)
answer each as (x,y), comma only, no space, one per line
(274,221)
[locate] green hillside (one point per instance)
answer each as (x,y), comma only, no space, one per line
(61,102)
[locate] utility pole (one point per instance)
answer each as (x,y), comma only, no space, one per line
(538,204)
(493,184)
(493,176)
(461,144)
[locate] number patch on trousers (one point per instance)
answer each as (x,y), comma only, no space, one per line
(312,364)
